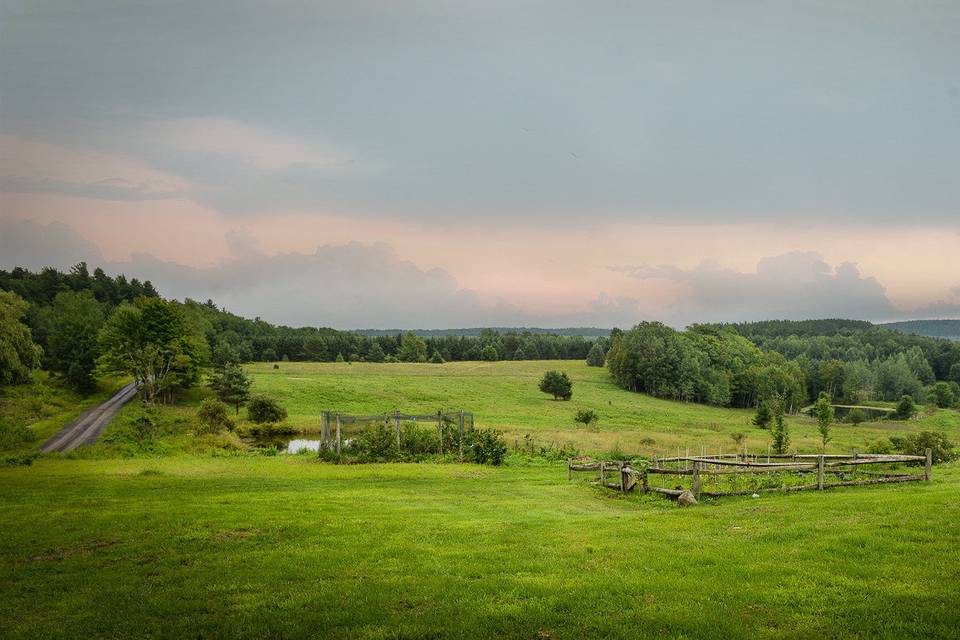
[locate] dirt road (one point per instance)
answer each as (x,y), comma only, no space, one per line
(88,427)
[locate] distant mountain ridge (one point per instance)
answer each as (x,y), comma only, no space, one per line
(949,329)
(586,332)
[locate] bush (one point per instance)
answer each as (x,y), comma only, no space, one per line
(377,444)
(943,395)
(916,444)
(856,416)
(586,417)
(276,366)
(905,408)
(212,417)
(763,416)
(557,384)
(487,447)
(880,446)
(14,436)
(436,358)
(263,409)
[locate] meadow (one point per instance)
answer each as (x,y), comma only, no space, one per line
(504,396)
(271,547)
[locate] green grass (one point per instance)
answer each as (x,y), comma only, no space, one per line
(504,395)
(250,547)
(46,404)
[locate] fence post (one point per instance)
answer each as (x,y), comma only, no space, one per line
(396,426)
(569,471)
(928,466)
(646,482)
(696,479)
(603,474)
(338,435)
(820,472)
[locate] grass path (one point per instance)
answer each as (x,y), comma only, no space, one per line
(253,547)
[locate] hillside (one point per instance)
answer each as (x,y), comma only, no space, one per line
(949,329)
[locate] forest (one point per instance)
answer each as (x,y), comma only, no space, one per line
(72,315)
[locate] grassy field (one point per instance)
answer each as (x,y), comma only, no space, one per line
(504,395)
(288,547)
(47,404)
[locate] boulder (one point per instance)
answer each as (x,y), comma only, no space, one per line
(686,499)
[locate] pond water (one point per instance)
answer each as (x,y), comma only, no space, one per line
(299,444)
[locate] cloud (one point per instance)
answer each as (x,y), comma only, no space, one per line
(796,285)
(34,246)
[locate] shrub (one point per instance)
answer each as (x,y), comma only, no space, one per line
(586,417)
(905,408)
(880,446)
(14,436)
(943,395)
(418,442)
(212,417)
(487,447)
(557,384)
(263,409)
(436,358)
(763,416)
(737,438)
(276,366)
(856,416)
(916,444)
(377,444)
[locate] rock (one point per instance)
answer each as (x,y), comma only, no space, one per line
(756,495)
(686,499)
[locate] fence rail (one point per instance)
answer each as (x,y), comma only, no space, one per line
(463,420)
(628,473)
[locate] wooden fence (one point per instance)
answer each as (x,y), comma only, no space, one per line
(625,475)
(463,420)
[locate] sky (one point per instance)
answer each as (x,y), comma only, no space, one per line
(431,164)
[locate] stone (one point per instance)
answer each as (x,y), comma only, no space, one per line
(686,499)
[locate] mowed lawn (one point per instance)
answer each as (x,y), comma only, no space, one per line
(504,395)
(256,547)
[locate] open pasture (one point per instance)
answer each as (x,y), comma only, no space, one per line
(504,396)
(287,547)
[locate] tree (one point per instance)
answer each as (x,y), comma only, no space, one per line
(763,416)
(412,348)
(152,341)
(436,358)
(905,408)
(376,353)
(340,358)
(263,409)
(595,356)
(212,417)
(943,395)
(76,319)
(780,434)
(232,385)
(489,353)
(823,411)
(557,384)
(18,354)
(856,416)
(586,417)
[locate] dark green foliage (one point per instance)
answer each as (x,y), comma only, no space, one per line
(263,409)
(557,384)
(779,432)
(75,318)
(916,444)
(376,353)
(906,408)
(763,416)
(412,348)
(376,444)
(486,446)
(14,435)
(212,417)
(823,412)
(436,358)
(339,358)
(596,355)
(153,341)
(18,354)
(943,395)
(489,354)
(232,385)
(856,416)
(586,417)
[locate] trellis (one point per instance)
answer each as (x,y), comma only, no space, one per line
(335,421)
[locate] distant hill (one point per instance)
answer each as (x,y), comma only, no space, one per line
(949,329)
(586,332)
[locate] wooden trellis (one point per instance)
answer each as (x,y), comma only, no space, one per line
(463,420)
